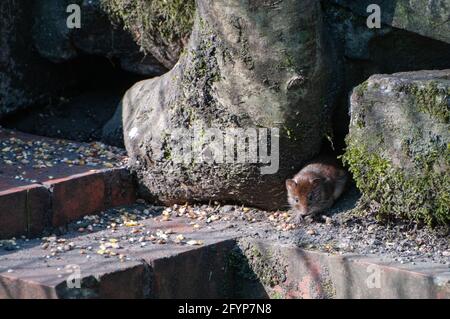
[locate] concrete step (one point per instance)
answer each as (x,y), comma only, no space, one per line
(138,269)
(47,182)
(178,257)
(143,251)
(310,274)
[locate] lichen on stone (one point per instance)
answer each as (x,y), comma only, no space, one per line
(421,196)
(398,145)
(431,99)
(160,27)
(249,262)
(170,19)
(196,103)
(361,89)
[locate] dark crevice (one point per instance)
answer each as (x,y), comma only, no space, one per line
(397,51)
(94,88)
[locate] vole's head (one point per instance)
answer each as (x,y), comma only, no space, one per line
(306,196)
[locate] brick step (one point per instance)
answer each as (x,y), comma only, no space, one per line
(208,262)
(315,275)
(47,182)
(169,270)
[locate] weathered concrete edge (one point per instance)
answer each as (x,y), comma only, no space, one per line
(313,274)
(141,277)
(204,272)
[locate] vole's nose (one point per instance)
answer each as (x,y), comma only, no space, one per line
(303,210)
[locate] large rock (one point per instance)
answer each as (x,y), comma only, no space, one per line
(424,17)
(160,27)
(97,36)
(399,144)
(363,52)
(112,131)
(25,77)
(248,65)
(42,60)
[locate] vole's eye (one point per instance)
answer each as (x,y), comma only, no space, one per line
(296,199)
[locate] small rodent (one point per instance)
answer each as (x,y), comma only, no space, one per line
(316,187)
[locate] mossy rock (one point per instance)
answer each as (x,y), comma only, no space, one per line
(160,27)
(398,147)
(246,67)
(424,17)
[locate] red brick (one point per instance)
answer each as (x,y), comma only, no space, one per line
(13,217)
(199,272)
(38,210)
(76,196)
(120,187)
(24,211)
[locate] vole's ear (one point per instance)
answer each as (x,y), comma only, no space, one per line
(290,184)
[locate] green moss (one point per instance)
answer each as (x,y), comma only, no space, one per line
(276,295)
(287,62)
(431,99)
(361,89)
(253,264)
(149,19)
(329,291)
(420,194)
(197,102)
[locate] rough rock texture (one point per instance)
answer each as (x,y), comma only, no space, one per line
(399,144)
(362,52)
(97,36)
(427,18)
(248,65)
(24,76)
(112,132)
(161,28)
(41,59)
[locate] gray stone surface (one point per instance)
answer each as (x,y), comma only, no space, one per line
(398,143)
(427,18)
(97,36)
(227,263)
(40,57)
(245,67)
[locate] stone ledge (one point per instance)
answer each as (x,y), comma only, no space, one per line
(225,265)
(157,271)
(312,274)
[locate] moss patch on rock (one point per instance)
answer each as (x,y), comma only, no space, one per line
(253,264)
(160,27)
(398,148)
(430,98)
(169,19)
(422,197)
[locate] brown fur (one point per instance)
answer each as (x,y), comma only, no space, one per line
(316,186)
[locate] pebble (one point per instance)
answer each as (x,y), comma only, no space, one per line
(311,232)
(394,241)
